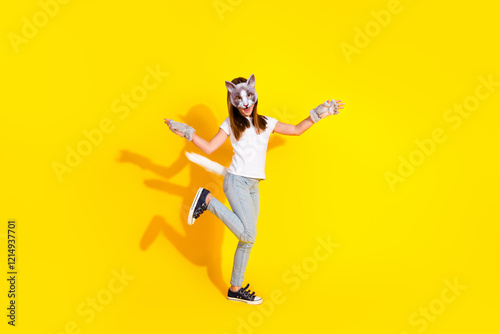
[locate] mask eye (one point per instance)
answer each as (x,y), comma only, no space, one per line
(238,98)
(250,95)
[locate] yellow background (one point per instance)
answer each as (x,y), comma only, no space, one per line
(121,207)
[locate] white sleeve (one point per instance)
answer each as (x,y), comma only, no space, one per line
(271,123)
(226,126)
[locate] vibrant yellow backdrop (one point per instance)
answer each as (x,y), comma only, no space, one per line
(403,183)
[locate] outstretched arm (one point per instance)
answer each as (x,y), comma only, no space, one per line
(293,130)
(209,147)
(206,146)
(297,130)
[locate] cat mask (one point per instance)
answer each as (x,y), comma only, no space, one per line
(242,95)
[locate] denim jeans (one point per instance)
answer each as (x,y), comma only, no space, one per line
(243,196)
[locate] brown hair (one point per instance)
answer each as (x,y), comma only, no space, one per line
(238,122)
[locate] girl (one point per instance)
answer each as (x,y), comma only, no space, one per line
(249,134)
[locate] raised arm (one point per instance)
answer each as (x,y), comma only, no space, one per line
(206,146)
(209,147)
(297,130)
(293,130)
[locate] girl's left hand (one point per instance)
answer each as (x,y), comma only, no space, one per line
(339,104)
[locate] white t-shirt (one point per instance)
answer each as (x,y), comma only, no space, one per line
(249,157)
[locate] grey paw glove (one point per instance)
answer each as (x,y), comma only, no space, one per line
(185,129)
(327,107)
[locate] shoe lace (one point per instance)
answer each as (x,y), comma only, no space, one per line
(247,293)
(200,210)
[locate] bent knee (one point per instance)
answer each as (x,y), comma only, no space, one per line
(248,238)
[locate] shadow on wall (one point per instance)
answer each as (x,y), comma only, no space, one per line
(200,243)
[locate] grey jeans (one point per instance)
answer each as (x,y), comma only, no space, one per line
(243,196)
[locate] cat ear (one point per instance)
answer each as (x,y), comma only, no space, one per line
(231,87)
(251,81)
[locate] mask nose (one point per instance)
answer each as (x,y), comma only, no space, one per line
(246,105)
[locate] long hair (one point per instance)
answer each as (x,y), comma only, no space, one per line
(238,122)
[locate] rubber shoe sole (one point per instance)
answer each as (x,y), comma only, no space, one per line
(191,219)
(251,302)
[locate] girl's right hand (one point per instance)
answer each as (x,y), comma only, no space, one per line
(175,131)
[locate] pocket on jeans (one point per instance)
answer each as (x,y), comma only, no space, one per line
(226,182)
